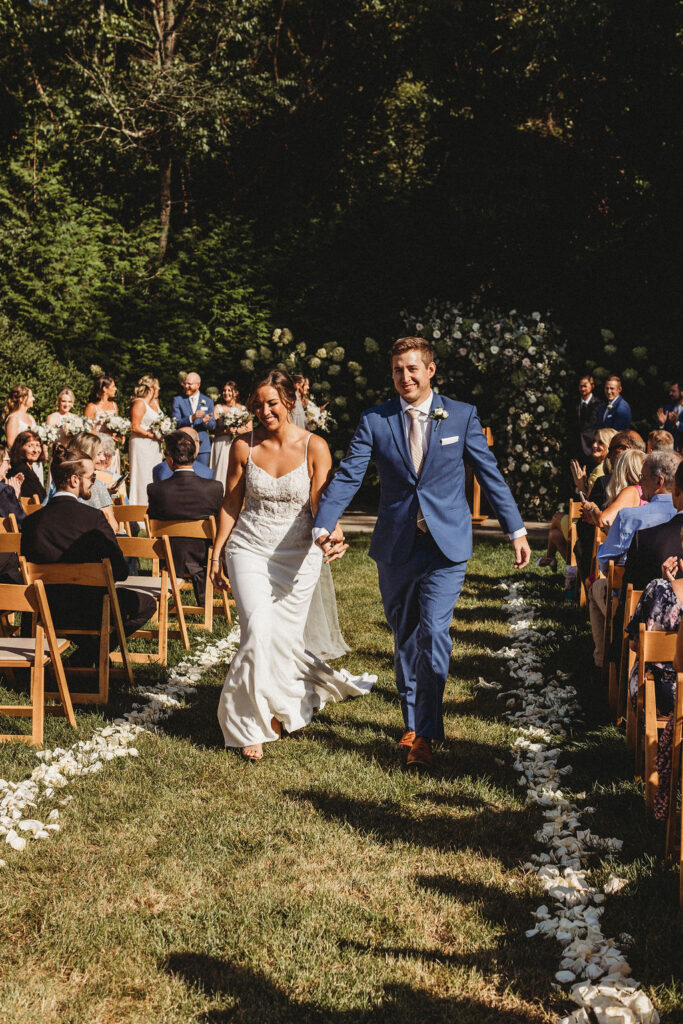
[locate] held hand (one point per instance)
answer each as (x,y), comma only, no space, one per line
(332,544)
(520,546)
(217,578)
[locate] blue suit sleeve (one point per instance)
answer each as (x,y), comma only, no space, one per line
(480,457)
(622,419)
(347,479)
(182,421)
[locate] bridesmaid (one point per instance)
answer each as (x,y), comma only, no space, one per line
(65,403)
(145,450)
(224,436)
(101,401)
(16,415)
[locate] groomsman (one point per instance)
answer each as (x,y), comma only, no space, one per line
(193,409)
(586,418)
(615,411)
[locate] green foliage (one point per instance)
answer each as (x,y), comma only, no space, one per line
(513,367)
(24,360)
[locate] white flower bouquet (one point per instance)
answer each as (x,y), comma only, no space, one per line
(119,426)
(235,418)
(48,433)
(71,424)
(162,426)
(317,418)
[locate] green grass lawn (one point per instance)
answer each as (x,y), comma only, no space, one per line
(325,883)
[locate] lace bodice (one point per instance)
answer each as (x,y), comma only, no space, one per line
(274,506)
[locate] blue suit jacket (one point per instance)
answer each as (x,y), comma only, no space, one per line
(618,417)
(181,410)
(439,491)
(164,472)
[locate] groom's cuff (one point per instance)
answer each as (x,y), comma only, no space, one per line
(517,533)
(318,532)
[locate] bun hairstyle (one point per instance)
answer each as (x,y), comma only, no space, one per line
(144,386)
(99,384)
(67,462)
(283,384)
(17,395)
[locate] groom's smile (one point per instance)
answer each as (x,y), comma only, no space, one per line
(412,376)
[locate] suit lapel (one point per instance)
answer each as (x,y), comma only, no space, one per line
(397,424)
(433,440)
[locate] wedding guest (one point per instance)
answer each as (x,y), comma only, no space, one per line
(585,418)
(670,416)
(657,483)
(660,441)
(16,414)
(91,446)
(65,403)
(298,414)
(144,450)
(69,530)
(615,410)
(164,472)
(114,482)
(558,534)
(193,409)
(25,455)
(9,490)
(182,498)
(225,435)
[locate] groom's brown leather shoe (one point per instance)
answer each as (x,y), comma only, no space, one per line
(420,754)
(407,739)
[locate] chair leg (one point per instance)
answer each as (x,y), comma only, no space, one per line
(103,666)
(208,602)
(651,777)
(638,733)
(162,624)
(38,691)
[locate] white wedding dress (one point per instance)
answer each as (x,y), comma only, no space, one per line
(274,569)
(144,454)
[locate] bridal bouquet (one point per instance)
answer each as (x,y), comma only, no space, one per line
(162,426)
(118,426)
(71,424)
(48,433)
(317,418)
(235,418)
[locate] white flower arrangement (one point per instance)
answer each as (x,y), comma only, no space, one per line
(439,413)
(162,426)
(48,433)
(235,417)
(317,418)
(117,425)
(71,424)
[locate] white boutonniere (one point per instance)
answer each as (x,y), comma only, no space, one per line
(437,415)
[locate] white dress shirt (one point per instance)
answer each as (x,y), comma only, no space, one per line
(194,402)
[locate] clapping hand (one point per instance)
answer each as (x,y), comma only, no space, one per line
(671,568)
(15,483)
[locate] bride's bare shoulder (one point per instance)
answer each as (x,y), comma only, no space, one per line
(318,445)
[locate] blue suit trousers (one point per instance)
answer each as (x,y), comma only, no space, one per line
(419,597)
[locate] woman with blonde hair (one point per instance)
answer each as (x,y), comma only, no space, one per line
(65,403)
(145,450)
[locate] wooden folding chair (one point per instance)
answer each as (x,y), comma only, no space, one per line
(127,514)
(34,653)
(9,524)
(31,505)
(653,645)
(624,706)
(204,529)
(674,823)
(477,516)
(159,587)
(91,574)
(10,544)
(615,578)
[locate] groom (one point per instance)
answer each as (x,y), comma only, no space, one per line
(420,443)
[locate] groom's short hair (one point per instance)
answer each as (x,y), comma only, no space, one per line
(420,345)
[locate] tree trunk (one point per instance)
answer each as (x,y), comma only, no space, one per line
(165,167)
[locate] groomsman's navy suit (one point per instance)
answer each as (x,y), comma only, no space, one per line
(164,472)
(618,417)
(181,410)
(420,575)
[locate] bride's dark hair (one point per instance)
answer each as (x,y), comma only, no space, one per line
(283,384)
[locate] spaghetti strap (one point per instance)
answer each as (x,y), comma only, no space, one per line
(251,444)
(308,438)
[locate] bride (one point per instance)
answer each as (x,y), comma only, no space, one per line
(278,471)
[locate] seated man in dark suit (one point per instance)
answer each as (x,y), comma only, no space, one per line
(164,472)
(184,497)
(67,530)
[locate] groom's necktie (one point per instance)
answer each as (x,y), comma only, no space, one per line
(417,455)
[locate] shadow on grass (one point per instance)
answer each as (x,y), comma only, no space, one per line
(254,996)
(388,822)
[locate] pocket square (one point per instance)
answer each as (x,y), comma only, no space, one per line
(450,440)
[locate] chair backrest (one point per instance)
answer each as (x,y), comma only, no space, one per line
(10,543)
(656,645)
(195,528)
(9,524)
(81,574)
(156,548)
(632,599)
(31,504)
(129,513)
(575,509)
(15,597)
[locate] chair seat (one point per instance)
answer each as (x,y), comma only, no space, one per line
(143,584)
(19,648)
